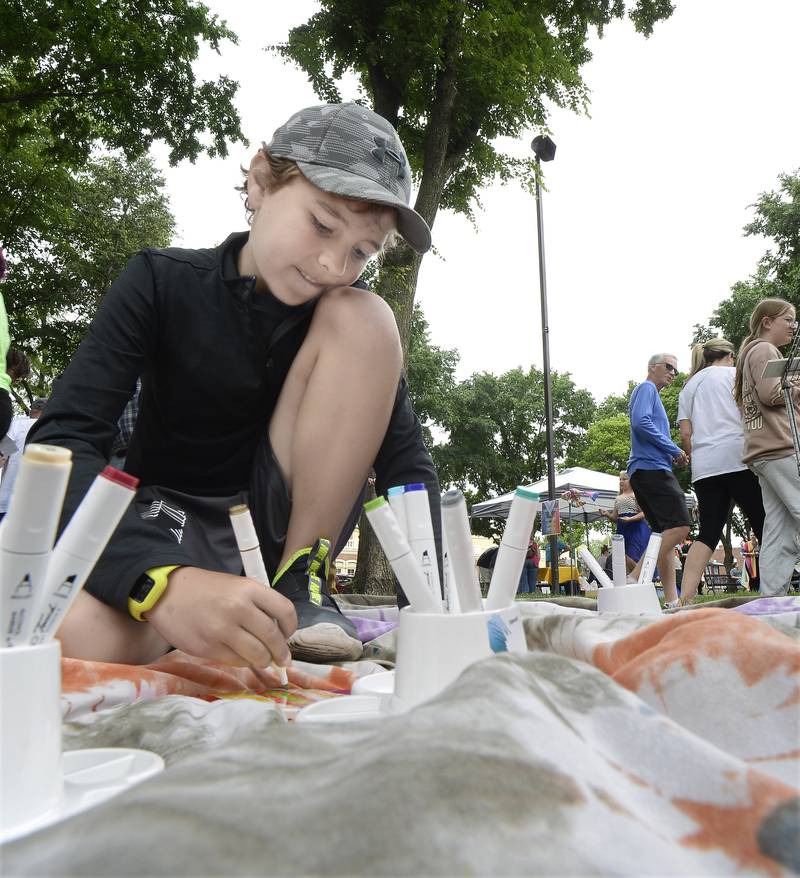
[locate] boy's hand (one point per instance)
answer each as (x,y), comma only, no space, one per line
(224,618)
(681,460)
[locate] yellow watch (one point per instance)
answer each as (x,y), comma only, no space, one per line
(148,589)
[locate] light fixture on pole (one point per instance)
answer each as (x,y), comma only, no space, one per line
(545,150)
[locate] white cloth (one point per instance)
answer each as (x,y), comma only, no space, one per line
(17,432)
(717,438)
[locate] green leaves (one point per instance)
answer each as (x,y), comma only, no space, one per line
(496,429)
(79,231)
(117,72)
(454,76)
(777,216)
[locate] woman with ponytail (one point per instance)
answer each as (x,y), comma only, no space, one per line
(711,434)
(768,446)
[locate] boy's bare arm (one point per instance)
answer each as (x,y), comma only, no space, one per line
(224,618)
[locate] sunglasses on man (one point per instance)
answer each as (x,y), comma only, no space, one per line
(673,370)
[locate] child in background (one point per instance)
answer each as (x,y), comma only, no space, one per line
(269,375)
(768,447)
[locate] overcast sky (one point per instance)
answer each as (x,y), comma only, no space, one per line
(646,198)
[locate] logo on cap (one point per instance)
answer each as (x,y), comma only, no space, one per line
(383,149)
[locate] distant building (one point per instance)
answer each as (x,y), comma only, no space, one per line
(347,558)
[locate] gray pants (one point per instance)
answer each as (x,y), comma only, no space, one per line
(780,489)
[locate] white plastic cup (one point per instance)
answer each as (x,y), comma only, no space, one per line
(433,649)
(634,600)
(31,779)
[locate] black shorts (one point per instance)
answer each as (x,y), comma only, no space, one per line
(661,499)
(174,527)
(714,495)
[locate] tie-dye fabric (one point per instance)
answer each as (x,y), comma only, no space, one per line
(617,745)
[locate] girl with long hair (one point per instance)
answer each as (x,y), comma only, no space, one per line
(768,447)
(711,435)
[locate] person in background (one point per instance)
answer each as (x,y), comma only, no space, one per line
(530,569)
(562,547)
(711,434)
(17,432)
(768,447)
(604,560)
(750,561)
(678,565)
(630,521)
(126,423)
(653,454)
(18,365)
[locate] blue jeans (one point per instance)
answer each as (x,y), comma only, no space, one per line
(528,578)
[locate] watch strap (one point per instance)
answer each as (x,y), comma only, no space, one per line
(148,590)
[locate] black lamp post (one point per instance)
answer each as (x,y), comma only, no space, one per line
(545,150)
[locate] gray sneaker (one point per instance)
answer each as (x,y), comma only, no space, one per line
(323,633)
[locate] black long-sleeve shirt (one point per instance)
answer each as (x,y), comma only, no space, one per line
(213,355)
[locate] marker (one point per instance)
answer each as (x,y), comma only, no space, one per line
(591,562)
(80,545)
(513,548)
(455,524)
(26,538)
(400,555)
(618,565)
(396,501)
(252,560)
(451,604)
(419,528)
(648,567)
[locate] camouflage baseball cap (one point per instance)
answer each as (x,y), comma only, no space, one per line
(348,150)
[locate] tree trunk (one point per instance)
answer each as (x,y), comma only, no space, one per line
(373,573)
(397,279)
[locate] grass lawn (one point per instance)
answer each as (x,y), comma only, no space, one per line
(699,599)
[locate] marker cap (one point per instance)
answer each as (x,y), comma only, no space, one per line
(30,524)
(88,530)
(120,477)
(243,527)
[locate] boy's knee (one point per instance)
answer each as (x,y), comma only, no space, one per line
(358,316)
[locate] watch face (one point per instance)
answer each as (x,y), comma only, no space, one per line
(141,588)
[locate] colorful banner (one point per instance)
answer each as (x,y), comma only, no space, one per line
(551,518)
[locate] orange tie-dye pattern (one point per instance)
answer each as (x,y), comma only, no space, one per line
(734,828)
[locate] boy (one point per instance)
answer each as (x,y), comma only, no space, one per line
(268,374)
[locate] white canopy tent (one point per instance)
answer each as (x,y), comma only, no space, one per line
(586,482)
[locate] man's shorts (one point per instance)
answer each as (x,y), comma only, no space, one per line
(661,499)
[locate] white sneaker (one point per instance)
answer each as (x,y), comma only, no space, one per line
(672,605)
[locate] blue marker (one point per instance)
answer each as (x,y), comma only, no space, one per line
(395,498)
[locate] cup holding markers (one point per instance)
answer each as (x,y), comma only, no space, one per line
(433,649)
(38,784)
(31,780)
(638,598)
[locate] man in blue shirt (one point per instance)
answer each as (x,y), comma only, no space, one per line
(653,454)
